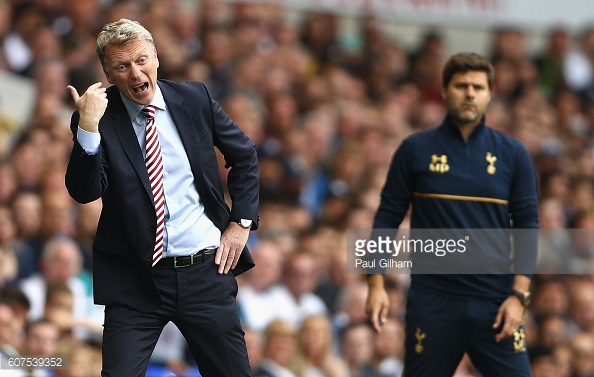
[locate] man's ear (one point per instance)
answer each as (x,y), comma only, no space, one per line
(107,76)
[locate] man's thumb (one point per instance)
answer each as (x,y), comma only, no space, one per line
(73,92)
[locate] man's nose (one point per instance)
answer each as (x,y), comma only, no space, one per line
(134,70)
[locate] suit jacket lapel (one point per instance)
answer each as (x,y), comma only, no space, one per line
(188,132)
(119,121)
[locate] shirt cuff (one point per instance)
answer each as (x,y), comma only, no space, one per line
(89,141)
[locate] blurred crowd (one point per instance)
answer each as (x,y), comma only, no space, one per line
(326,110)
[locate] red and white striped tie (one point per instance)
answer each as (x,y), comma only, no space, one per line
(154,167)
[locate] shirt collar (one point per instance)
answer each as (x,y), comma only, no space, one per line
(451,127)
(134,108)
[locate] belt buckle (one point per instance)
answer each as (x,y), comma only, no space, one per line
(185,265)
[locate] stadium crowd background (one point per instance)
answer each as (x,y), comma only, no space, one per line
(326,113)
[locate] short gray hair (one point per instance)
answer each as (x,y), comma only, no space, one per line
(119,33)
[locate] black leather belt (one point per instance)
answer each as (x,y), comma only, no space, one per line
(177,262)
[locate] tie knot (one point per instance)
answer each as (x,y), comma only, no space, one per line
(149,112)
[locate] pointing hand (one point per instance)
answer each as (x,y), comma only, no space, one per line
(91,106)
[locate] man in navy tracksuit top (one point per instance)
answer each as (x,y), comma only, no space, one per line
(462,174)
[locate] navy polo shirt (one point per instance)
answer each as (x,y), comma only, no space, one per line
(485,182)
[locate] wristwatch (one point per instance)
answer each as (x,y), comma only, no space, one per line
(523,296)
(244,223)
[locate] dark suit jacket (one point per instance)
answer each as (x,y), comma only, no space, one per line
(122,272)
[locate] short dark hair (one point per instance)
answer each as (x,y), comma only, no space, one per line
(465,62)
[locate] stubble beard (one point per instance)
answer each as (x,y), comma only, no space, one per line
(463,118)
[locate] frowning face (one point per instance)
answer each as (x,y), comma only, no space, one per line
(467,96)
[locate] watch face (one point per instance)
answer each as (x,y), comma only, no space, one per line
(527,299)
(245,223)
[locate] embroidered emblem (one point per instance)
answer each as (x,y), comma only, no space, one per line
(519,340)
(420,336)
(439,164)
(491,160)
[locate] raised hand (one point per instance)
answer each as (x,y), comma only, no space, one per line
(91,106)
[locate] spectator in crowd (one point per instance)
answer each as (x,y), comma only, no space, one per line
(295,297)
(388,355)
(9,343)
(8,254)
(8,184)
(581,311)
(553,331)
(550,61)
(257,306)
(578,69)
(582,347)
(317,353)
(357,349)
(41,340)
(254,341)
(350,306)
(551,297)
(279,349)
(26,206)
(61,262)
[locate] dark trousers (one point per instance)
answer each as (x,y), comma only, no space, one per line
(439,330)
(202,305)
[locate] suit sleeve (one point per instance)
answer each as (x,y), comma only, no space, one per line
(85,175)
(243,181)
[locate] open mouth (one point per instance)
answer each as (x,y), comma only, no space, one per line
(140,88)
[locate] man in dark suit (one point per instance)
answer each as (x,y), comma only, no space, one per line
(157,260)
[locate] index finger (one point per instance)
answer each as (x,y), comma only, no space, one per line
(505,332)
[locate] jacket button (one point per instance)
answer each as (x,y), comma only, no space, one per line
(147,262)
(152,228)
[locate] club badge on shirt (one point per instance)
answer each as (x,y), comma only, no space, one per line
(439,164)
(491,160)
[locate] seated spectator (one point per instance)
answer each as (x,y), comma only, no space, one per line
(19,303)
(60,264)
(279,351)
(294,297)
(350,307)
(563,360)
(542,362)
(80,361)
(8,252)
(357,350)
(9,337)
(41,340)
(317,352)
(582,347)
(552,331)
(26,206)
(581,310)
(257,307)
(389,349)
(254,340)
